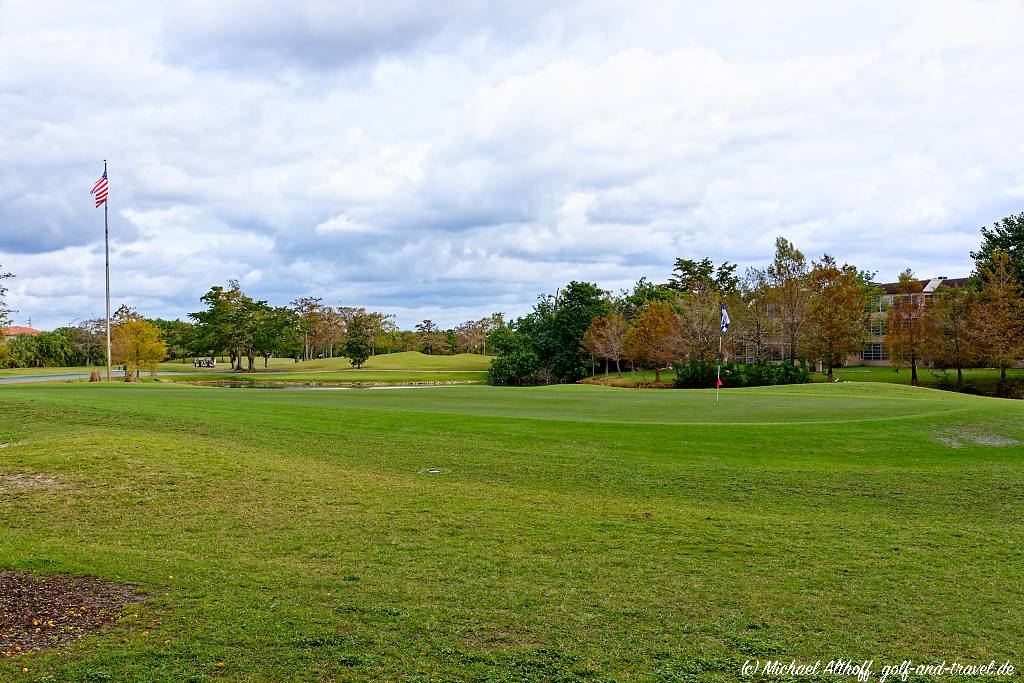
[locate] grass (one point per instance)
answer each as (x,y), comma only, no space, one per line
(406,360)
(925,376)
(984,378)
(341,377)
(510,534)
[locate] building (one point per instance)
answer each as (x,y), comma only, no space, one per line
(874,352)
(14,331)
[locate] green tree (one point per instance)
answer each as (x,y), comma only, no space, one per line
(556,328)
(178,335)
(698,276)
(357,340)
(1006,236)
(836,312)
(632,302)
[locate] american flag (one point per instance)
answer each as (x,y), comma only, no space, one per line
(100,190)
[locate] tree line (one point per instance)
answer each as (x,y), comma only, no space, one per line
(791,312)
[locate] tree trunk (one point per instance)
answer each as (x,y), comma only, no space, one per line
(959,378)
(606,368)
(266,361)
(830,374)
(657,375)
(618,369)
(913,372)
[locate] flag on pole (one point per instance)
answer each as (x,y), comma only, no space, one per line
(720,383)
(725,320)
(99,190)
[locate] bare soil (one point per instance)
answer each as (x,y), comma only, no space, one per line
(42,612)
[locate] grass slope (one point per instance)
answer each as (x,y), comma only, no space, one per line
(550,533)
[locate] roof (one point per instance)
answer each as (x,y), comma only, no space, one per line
(16,329)
(927,286)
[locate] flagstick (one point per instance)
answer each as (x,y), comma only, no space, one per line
(106,248)
(718,383)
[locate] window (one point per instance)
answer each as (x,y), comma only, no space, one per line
(873,351)
(876,327)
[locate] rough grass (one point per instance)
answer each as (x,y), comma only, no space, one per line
(491,534)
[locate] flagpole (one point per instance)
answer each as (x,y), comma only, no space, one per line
(106,249)
(718,382)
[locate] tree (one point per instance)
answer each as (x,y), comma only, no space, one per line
(310,314)
(836,312)
(653,340)
(949,327)
(137,344)
(906,327)
(756,326)
(5,312)
(178,335)
(699,322)
(697,276)
(430,337)
(1006,236)
(556,328)
(357,340)
(999,315)
(517,363)
(632,302)
(788,277)
(606,339)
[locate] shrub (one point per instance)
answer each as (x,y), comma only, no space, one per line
(515,368)
(697,375)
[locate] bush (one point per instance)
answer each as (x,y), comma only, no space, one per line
(515,368)
(697,375)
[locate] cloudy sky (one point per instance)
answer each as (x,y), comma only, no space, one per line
(451,159)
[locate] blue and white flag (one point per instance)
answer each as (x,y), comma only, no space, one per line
(725,320)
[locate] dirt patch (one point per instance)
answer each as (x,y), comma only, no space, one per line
(990,439)
(977,438)
(25,480)
(41,612)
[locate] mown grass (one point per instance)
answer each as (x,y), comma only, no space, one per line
(405,360)
(337,377)
(408,361)
(984,378)
(492,534)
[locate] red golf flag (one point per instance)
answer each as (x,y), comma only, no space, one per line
(719,382)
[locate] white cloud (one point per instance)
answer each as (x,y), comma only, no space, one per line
(439,162)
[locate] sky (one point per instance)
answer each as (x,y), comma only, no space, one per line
(449,160)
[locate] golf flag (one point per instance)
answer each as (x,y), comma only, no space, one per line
(99,190)
(719,382)
(725,320)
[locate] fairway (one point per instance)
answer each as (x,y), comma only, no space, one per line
(509,534)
